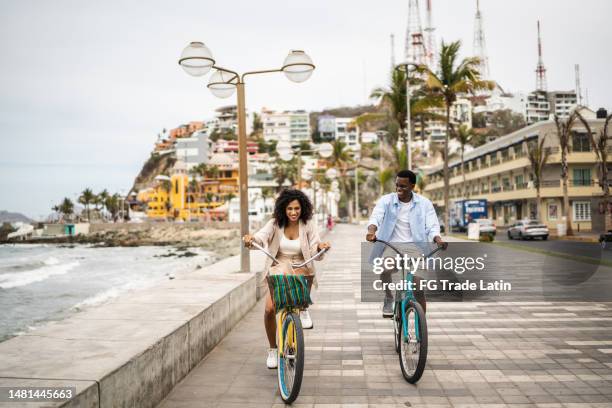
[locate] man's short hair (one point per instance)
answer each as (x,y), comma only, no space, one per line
(407,174)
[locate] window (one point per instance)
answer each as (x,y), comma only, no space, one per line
(582,177)
(581,142)
(582,210)
(552,211)
(518,180)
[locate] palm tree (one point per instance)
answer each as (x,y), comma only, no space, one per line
(103,196)
(87,198)
(564,133)
(538,157)
(285,170)
(66,207)
(452,80)
(112,204)
(601,152)
(464,135)
(341,160)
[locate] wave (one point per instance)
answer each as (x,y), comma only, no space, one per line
(51,267)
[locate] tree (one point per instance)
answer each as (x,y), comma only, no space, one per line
(66,207)
(257,124)
(285,170)
(538,157)
(564,134)
(599,145)
(464,136)
(112,204)
(103,196)
(453,79)
(87,198)
(341,160)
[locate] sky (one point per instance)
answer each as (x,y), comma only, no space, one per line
(87,86)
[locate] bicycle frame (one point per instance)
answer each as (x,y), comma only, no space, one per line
(408,294)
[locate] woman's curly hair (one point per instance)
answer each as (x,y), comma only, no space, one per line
(282,201)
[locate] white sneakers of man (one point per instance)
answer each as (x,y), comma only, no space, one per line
(272,361)
(306,320)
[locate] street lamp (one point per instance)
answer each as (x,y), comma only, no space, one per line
(408,67)
(197,60)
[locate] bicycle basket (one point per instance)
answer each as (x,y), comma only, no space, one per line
(289,291)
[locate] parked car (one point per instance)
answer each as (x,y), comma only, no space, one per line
(487,226)
(528,229)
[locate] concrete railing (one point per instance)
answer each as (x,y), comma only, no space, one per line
(132,351)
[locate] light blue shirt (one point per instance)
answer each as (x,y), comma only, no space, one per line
(422,218)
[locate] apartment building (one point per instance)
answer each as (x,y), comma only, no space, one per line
(347,132)
(435,130)
(537,107)
(193,150)
(289,126)
(562,102)
(500,172)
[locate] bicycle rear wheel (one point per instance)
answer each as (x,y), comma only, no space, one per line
(291,358)
(413,342)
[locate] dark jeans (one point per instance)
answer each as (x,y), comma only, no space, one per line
(419,295)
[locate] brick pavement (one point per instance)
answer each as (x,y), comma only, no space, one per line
(481,354)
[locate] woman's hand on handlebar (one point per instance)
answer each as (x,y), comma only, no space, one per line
(248,240)
(371,237)
(440,243)
(323,245)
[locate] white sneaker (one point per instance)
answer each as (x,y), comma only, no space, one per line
(306,320)
(272,361)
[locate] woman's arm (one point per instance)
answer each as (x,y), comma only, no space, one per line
(261,237)
(314,240)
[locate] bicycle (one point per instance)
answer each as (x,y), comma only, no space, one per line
(409,327)
(290,336)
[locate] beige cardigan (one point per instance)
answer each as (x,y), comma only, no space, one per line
(270,234)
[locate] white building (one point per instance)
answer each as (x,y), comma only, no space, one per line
(537,107)
(194,150)
(500,100)
(327,127)
(226,119)
(562,102)
(347,132)
(289,126)
(460,114)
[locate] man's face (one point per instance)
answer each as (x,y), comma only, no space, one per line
(404,187)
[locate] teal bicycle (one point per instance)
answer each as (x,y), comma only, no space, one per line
(409,327)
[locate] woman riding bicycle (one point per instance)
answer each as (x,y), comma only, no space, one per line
(291,236)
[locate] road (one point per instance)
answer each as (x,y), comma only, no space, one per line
(502,353)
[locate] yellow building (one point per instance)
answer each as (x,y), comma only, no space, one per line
(179,197)
(500,172)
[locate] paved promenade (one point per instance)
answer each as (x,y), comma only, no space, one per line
(481,354)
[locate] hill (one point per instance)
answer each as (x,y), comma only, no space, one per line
(6,216)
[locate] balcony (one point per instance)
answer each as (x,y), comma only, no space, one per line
(519,154)
(550,183)
(581,183)
(494,161)
(552,150)
(508,187)
(521,186)
(496,189)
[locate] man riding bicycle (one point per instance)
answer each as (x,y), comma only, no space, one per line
(403,217)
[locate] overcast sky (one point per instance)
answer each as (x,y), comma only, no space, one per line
(86,86)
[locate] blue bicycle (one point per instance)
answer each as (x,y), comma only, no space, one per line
(409,327)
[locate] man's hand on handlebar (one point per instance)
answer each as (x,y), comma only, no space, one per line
(440,243)
(248,240)
(371,235)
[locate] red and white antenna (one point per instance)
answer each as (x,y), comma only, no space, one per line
(540,69)
(480,45)
(430,44)
(414,48)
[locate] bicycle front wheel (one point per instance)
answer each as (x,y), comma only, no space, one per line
(291,358)
(413,339)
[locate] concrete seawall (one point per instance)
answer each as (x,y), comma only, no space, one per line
(132,351)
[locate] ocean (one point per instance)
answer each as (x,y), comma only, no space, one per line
(39,283)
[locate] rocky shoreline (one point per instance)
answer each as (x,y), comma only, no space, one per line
(224,242)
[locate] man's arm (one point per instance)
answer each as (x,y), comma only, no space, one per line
(376,219)
(432,226)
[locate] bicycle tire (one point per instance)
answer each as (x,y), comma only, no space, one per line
(413,372)
(397,318)
(289,390)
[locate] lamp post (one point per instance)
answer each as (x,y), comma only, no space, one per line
(408,67)
(197,60)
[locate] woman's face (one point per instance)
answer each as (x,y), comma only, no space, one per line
(293,211)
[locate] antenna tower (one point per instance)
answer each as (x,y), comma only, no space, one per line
(392,52)
(540,69)
(480,45)
(431,40)
(415,48)
(578,87)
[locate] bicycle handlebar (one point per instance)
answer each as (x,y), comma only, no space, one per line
(269,255)
(438,248)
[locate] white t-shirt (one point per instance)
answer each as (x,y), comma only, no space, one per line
(402,232)
(288,246)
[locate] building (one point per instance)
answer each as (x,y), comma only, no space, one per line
(193,150)
(231,146)
(226,120)
(327,127)
(537,107)
(500,172)
(347,132)
(562,102)
(289,126)
(435,130)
